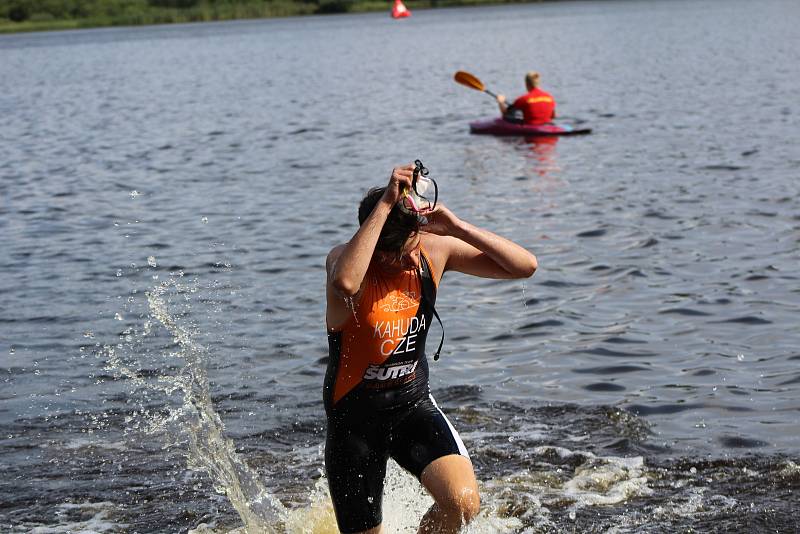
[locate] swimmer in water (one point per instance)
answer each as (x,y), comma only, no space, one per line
(381,290)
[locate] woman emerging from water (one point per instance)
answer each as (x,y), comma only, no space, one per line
(381,289)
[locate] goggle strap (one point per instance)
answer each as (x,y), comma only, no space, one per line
(441,342)
(419,168)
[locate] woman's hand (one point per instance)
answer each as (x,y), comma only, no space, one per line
(399,182)
(442,221)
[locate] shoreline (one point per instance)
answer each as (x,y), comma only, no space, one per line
(163,16)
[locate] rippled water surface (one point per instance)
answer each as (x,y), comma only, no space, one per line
(168,196)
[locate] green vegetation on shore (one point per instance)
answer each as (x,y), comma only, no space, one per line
(37,15)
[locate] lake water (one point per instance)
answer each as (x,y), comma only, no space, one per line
(168,196)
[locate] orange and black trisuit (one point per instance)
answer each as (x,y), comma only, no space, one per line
(376,393)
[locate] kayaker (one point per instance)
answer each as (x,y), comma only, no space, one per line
(381,289)
(537,106)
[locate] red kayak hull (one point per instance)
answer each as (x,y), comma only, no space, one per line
(498,126)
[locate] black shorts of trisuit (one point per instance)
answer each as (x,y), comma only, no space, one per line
(358,447)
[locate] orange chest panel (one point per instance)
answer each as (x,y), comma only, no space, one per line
(385,315)
(386,323)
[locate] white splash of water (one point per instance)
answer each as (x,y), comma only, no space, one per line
(607,480)
(790,469)
(404,504)
(209,449)
(96,520)
(596,481)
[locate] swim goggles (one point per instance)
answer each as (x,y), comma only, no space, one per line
(424,192)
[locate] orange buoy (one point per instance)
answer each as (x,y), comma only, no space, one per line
(400,11)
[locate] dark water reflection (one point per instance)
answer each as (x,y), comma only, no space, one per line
(234,154)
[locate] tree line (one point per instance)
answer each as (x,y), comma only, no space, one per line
(31,15)
(154,11)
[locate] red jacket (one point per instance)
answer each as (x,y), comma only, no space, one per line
(537,106)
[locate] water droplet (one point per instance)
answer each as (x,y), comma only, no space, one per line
(693,470)
(151,261)
(572,515)
(88,334)
(119,273)
(740,357)
(348,301)
(370,499)
(12,350)
(118,316)
(134,193)
(204,220)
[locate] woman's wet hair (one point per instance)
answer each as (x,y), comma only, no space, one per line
(399,225)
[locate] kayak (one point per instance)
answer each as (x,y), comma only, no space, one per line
(498,126)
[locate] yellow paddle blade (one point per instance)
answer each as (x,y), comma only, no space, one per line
(465,78)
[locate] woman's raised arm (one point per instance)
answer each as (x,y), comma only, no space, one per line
(472,250)
(347,264)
